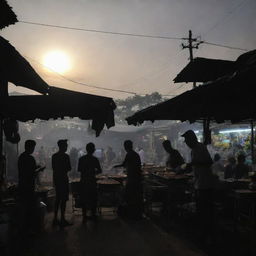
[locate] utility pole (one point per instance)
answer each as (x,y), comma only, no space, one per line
(3,95)
(193,43)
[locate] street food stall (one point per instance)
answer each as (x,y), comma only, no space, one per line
(110,189)
(163,186)
(53,104)
(227,97)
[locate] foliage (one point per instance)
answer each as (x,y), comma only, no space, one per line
(130,105)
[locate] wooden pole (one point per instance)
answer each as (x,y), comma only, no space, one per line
(252,142)
(3,94)
(1,136)
(190,47)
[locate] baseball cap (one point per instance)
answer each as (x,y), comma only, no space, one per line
(189,134)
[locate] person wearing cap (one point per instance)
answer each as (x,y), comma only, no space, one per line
(201,162)
(61,166)
(175,160)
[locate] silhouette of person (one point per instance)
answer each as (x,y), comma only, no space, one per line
(133,189)
(73,159)
(203,181)
(241,169)
(61,166)
(27,172)
(217,166)
(175,160)
(229,171)
(141,153)
(110,156)
(89,166)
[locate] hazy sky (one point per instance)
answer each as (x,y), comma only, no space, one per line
(141,65)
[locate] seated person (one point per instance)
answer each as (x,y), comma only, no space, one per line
(241,169)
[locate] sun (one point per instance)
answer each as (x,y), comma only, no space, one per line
(57,61)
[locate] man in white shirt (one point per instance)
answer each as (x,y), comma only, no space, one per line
(142,156)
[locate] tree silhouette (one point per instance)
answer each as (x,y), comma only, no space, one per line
(130,105)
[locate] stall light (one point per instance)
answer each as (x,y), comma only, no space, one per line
(235,130)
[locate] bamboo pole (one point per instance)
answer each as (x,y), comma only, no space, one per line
(252,142)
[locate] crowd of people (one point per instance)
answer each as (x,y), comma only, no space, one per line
(89,165)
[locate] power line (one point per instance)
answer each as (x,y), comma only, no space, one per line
(225,46)
(101,31)
(90,86)
(126,34)
(80,83)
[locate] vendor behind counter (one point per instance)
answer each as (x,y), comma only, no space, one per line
(175,160)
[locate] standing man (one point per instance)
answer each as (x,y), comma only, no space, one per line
(89,166)
(203,182)
(61,166)
(175,160)
(133,189)
(27,172)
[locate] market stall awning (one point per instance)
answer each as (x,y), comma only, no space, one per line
(17,70)
(7,16)
(60,103)
(228,98)
(204,70)
(246,60)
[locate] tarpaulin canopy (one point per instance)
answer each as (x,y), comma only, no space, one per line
(17,70)
(227,98)
(204,70)
(7,16)
(60,103)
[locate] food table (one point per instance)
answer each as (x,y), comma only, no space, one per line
(118,177)
(168,188)
(109,193)
(109,187)
(232,183)
(179,188)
